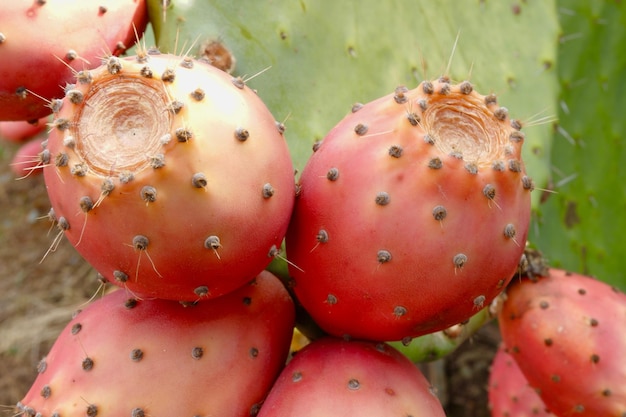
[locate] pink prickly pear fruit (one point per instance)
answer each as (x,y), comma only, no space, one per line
(172,178)
(43,43)
(509,393)
(20,131)
(566,333)
(335,377)
(413,213)
(29,159)
(131,357)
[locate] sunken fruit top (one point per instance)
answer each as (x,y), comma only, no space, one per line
(462,123)
(171,177)
(123,122)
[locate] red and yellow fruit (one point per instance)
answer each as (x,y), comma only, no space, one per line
(44,43)
(510,395)
(122,356)
(413,213)
(334,377)
(172,178)
(566,333)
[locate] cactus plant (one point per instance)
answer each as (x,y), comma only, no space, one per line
(322,56)
(581,226)
(314,59)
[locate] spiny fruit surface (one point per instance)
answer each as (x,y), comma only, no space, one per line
(122,356)
(566,333)
(334,377)
(413,213)
(28,159)
(169,176)
(510,395)
(42,42)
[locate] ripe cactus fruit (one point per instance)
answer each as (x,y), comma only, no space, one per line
(173,177)
(510,395)
(29,159)
(566,333)
(413,213)
(20,131)
(130,357)
(43,42)
(334,377)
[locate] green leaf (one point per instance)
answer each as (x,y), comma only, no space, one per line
(581,227)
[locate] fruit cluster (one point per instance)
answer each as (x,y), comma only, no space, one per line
(563,348)
(174,181)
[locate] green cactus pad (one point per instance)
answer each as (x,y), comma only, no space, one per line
(319,57)
(581,227)
(440,344)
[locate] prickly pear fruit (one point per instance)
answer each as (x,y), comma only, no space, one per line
(172,178)
(566,333)
(20,130)
(509,392)
(335,377)
(43,42)
(413,213)
(131,357)
(29,159)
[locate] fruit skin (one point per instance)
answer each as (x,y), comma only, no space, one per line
(160,357)
(566,333)
(20,131)
(40,41)
(394,235)
(190,206)
(29,159)
(335,377)
(509,392)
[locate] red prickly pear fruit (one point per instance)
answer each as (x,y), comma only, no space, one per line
(509,393)
(172,176)
(30,159)
(413,213)
(43,43)
(335,377)
(566,333)
(20,130)
(130,357)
